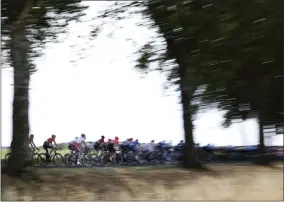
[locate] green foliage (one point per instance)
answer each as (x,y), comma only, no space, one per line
(45,23)
(235,49)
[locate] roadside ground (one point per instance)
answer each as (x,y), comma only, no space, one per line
(223,182)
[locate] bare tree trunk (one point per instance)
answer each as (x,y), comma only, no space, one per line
(190,157)
(19,56)
(179,50)
(263,158)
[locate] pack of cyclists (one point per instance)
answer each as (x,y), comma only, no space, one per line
(79,144)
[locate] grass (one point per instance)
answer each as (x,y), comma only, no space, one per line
(225,182)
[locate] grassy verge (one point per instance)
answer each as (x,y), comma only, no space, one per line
(226,182)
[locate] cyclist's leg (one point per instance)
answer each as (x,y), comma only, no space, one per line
(80,155)
(112,153)
(45,147)
(51,148)
(78,152)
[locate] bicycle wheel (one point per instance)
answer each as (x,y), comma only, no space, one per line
(7,157)
(65,157)
(44,160)
(71,160)
(87,160)
(118,159)
(105,160)
(57,159)
(96,159)
(36,159)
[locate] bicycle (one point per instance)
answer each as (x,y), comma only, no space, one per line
(35,157)
(85,159)
(96,156)
(54,157)
(65,157)
(107,158)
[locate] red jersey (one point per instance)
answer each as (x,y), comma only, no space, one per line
(50,140)
(101,141)
(115,141)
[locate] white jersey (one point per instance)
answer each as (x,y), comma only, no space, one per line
(150,147)
(79,140)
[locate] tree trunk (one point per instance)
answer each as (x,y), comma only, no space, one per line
(180,51)
(261,145)
(19,56)
(262,158)
(190,156)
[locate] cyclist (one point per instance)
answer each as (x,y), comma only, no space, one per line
(111,149)
(31,143)
(98,144)
(71,145)
(48,144)
(133,146)
(180,144)
(151,146)
(148,147)
(78,143)
(102,140)
(115,141)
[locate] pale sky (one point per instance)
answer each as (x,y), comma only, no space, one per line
(102,94)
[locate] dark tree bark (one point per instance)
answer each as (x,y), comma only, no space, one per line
(190,156)
(19,57)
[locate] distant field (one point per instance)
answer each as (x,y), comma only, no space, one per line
(224,182)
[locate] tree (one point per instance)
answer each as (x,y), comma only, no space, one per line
(254,54)
(27,25)
(176,24)
(227,49)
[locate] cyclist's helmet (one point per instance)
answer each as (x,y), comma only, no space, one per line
(181,141)
(53,136)
(152,141)
(83,135)
(130,139)
(116,138)
(31,135)
(103,137)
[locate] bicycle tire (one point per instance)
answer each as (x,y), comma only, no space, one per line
(105,160)
(87,160)
(43,159)
(70,160)
(36,159)
(65,157)
(60,157)
(7,157)
(96,160)
(118,159)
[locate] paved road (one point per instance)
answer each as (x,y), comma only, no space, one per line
(141,165)
(50,166)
